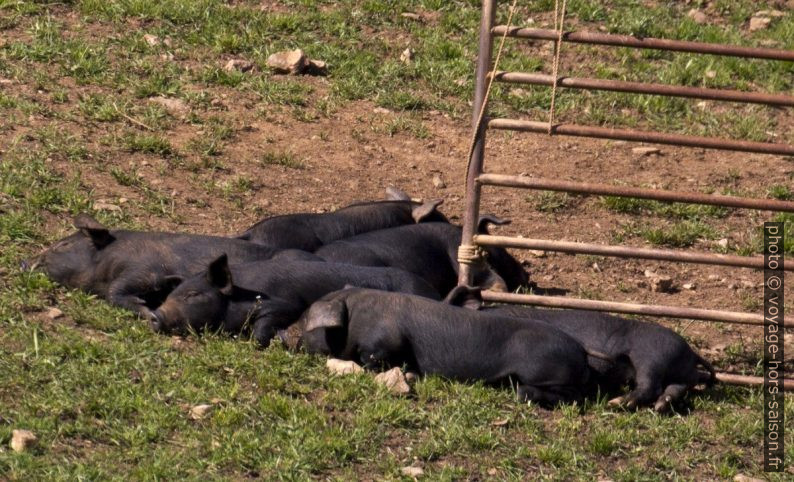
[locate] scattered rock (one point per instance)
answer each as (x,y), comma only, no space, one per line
(407,56)
(536,253)
(596,268)
(175,107)
(342,367)
(769,13)
(500,422)
(22,440)
(54,313)
(152,40)
(710,74)
(759,23)
(394,380)
(239,65)
(748,284)
(688,286)
(713,277)
(167,56)
(411,16)
(646,151)
(317,67)
(200,411)
(659,283)
(292,62)
(698,16)
(412,471)
(745,478)
(723,243)
(105,206)
(438,182)
(381,110)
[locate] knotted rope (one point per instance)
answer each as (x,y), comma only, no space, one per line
(559,20)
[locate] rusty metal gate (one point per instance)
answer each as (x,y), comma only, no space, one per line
(476,177)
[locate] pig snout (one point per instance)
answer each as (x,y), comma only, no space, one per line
(156,321)
(163,321)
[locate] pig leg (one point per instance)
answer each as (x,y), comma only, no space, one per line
(127,294)
(272,316)
(670,395)
(647,390)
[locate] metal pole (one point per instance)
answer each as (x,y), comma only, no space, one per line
(756,262)
(630,308)
(643,136)
(750,381)
(472,209)
(643,88)
(526,182)
(646,43)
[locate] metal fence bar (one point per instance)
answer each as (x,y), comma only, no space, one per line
(645,88)
(629,308)
(756,262)
(642,136)
(527,182)
(750,381)
(595,38)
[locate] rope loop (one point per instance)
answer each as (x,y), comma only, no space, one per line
(559,21)
(471,254)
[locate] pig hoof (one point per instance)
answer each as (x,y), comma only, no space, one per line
(616,402)
(663,404)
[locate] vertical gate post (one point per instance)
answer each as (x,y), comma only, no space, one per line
(472,208)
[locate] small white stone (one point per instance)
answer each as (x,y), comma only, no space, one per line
(407,56)
(22,440)
(342,367)
(288,62)
(105,206)
(152,40)
(759,23)
(394,380)
(646,151)
(54,313)
(438,182)
(698,16)
(412,471)
(200,411)
(238,65)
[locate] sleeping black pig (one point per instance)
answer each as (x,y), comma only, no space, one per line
(267,296)
(309,231)
(430,251)
(134,269)
(377,328)
(661,365)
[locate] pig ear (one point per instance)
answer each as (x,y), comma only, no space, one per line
(219,275)
(99,234)
(170,282)
(396,194)
(486,219)
(425,209)
(466,296)
(326,314)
